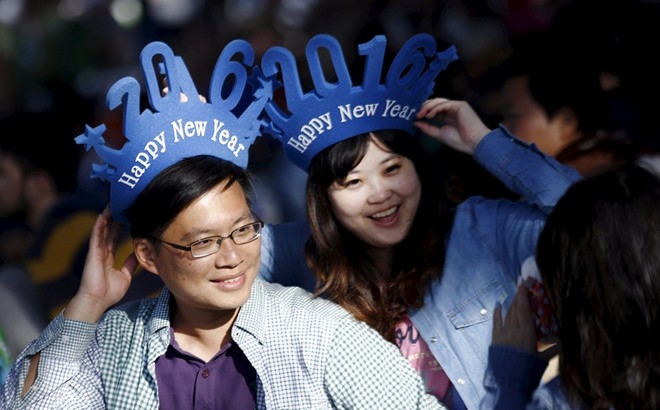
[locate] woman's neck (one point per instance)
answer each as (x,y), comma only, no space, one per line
(383,258)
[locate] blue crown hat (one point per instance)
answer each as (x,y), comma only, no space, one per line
(176,127)
(335,111)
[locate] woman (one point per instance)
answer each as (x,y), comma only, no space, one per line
(384,244)
(598,260)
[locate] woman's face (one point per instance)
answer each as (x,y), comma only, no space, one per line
(378,200)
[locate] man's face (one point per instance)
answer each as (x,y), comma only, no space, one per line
(11,186)
(525,118)
(219,282)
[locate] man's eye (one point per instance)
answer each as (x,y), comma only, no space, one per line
(243,230)
(204,242)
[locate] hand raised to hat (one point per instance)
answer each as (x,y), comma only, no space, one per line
(102,284)
(453,123)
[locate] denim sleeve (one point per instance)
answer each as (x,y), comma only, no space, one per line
(511,377)
(283,255)
(540,179)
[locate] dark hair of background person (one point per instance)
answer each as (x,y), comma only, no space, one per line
(599,257)
(42,142)
(558,79)
(339,260)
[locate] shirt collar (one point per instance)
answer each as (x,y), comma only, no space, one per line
(251,317)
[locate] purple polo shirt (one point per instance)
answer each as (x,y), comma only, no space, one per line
(227,381)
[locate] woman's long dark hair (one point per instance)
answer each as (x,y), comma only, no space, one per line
(599,257)
(344,272)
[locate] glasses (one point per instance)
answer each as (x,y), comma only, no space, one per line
(209,246)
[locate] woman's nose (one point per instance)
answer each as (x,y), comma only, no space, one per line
(380,191)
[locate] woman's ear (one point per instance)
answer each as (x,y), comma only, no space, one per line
(145,253)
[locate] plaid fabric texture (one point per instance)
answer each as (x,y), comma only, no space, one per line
(308,353)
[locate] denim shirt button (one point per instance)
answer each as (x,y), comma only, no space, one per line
(483,311)
(434,339)
(460,380)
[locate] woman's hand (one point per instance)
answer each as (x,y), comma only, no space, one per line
(517,329)
(453,123)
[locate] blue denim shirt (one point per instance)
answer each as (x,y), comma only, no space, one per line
(489,241)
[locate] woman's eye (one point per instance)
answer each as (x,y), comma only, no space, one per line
(392,168)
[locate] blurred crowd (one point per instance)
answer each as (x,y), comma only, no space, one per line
(590,65)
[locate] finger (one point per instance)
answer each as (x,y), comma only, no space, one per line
(97,238)
(430,107)
(112,236)
(525,306)
(521,310)
(130,265)
(497,316)
(426,128)
(522,294)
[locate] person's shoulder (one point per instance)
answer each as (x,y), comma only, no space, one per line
(296,301)
(552,395)
(292,230)
(138,310)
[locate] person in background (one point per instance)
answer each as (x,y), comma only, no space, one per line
(557,99)
(60,216)
(37,196)
(385,242)
(598,260)
(553,101)
(217,336)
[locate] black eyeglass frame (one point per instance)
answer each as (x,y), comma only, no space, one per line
(257,226)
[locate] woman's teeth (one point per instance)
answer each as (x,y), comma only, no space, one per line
(384,213)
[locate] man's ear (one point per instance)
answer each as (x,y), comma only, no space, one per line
(145,252)
(569,124)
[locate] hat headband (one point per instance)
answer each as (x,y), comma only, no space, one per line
(334,111)
(175,127)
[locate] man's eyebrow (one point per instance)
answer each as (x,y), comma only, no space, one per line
(196,233)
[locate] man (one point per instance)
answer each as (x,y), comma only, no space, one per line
(217,337)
